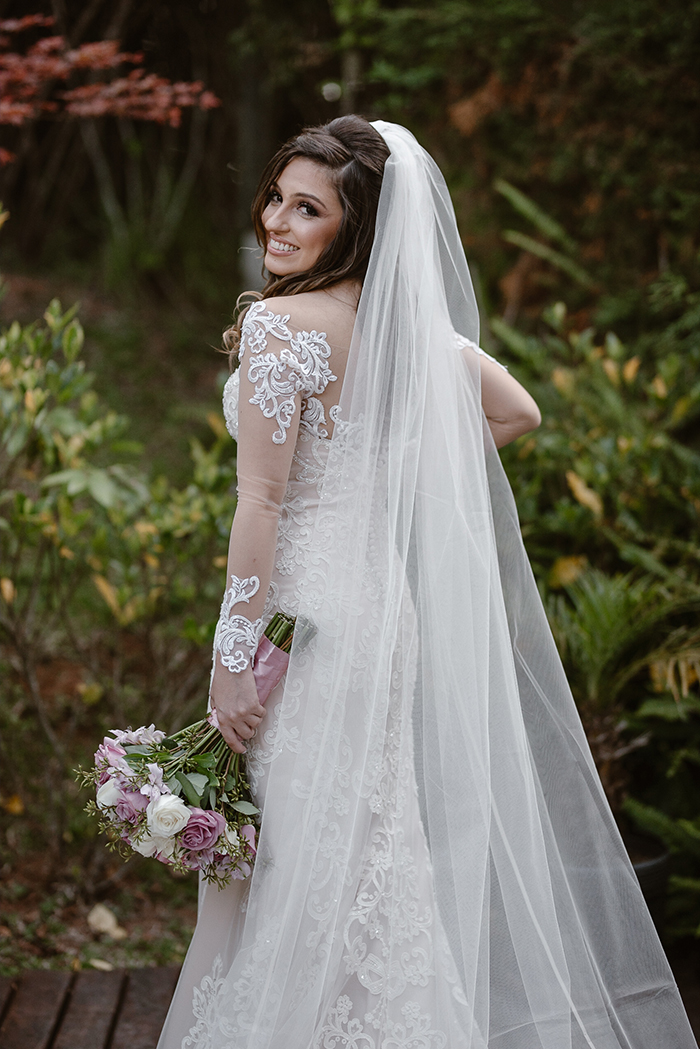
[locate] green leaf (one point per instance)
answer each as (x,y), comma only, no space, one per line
(17,439)
(128,447)
(555,258)
(199,782)
(205,761)
(531,211)
(669,709)
(512,338)
(677,835)
(102,488)
(72,340)
(677,882)
(212,798)
(174,785)
(187,788)
(246,807)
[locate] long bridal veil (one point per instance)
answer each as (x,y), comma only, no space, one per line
(423,600)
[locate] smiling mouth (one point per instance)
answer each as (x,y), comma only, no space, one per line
(280,245)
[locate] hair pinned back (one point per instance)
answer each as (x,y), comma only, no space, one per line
(355,153)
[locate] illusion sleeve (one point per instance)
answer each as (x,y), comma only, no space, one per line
(271,389)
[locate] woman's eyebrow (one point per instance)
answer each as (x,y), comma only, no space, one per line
(309,196)
(302,196)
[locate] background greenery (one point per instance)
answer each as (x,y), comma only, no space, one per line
(570,139)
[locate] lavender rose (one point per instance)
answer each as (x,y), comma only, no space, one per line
(130,806)
(198,861)
(202,831)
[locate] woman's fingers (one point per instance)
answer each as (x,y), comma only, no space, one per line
(234,741)
(238,707)
(237,732)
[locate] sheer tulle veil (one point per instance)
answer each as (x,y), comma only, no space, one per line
(419,585)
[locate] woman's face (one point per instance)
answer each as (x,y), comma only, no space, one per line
(301,217)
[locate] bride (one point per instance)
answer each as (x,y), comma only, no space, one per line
(437,865)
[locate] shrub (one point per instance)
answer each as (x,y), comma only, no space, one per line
(110,578)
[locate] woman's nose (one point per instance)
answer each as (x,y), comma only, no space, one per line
(276,221)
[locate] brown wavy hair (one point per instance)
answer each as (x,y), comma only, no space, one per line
(355,155)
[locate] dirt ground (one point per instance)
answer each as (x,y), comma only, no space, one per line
(44,920)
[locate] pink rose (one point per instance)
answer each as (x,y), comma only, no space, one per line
(248,832)
(202,831)
(131,804)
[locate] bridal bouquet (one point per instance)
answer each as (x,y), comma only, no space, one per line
(184,799)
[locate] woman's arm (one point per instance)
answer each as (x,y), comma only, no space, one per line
(509,408)
(268,422)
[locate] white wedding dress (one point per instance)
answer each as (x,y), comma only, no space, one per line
(437,865)
(393,950)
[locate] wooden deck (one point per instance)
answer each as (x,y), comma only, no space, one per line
(126,1009)
(85,1010)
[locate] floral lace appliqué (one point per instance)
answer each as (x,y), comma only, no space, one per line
(301,367)
(236,638)
(206,1003)
(230,397)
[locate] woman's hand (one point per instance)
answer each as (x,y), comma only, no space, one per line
(238,708)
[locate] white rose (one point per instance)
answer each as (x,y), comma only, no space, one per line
(108,795)
(166,846)
(231,836)
(146,846)
(150,844)
(166,816)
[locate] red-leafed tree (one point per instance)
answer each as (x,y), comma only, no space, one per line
(30,82)
(42,82)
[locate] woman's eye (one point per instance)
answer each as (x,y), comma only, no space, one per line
(274,197)
(308,209)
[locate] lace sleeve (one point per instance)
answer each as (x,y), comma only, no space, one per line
(297,364)
(271,389)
